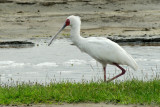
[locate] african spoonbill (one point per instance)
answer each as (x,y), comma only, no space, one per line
(101,49)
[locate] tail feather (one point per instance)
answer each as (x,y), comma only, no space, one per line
(132,63)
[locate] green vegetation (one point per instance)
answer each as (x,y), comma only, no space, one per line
(127,92)
(66,35)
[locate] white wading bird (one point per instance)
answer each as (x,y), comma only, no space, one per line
(101,49)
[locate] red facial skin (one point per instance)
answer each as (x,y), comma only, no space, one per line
(67,22)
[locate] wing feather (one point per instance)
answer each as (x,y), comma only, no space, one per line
(107,51)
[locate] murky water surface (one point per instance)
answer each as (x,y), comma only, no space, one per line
(63,61)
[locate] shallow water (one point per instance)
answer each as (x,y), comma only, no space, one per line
(63,61)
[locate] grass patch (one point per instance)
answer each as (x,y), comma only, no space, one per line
(127,92)
(66,35)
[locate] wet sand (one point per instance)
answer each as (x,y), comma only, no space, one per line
(27,19)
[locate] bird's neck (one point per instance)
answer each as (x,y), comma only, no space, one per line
(75,34)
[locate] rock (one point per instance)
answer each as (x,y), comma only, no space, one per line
(52,2)
(25,2)
(16,44)
(136,40)
(6,1)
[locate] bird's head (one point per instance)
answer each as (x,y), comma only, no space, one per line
(73,21)
(70,21)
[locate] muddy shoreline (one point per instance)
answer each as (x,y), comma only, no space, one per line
(28,19)
(122,40)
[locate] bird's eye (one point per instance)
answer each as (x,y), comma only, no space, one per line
(67,22)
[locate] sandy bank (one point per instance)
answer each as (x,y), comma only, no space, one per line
(23,19)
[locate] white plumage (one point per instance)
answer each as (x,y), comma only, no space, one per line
(106,51)
(101,49)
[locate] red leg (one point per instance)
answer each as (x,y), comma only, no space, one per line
(104,69)
(123,72)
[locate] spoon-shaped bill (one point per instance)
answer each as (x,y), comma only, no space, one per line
(56,34)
